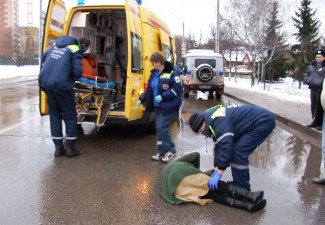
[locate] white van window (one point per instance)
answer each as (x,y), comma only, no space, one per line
(211,62)
(136,53)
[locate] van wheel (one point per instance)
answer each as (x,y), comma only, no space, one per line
(211,93)
(186,93)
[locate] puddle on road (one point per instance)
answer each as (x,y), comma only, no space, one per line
(18,102)
(284,155)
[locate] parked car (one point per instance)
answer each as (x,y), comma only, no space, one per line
(203,71)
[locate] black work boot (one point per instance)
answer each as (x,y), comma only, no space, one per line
(238,192)
(249,206)
(72,151)
(59,150)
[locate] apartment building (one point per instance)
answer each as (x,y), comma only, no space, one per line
(9,21)
(18,45)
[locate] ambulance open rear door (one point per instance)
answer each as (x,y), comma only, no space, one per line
(53,28)
(135,76)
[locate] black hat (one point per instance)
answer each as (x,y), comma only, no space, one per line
(320,52)
(196,122)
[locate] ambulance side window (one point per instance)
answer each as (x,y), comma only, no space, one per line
(136,53)
(168,53)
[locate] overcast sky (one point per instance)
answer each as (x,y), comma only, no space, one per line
(196,15)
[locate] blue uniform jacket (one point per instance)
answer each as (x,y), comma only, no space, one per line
(168,87)
(229,125)
(314,75)
(61,65)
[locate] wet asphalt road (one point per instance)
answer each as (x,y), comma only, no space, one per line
(115,181)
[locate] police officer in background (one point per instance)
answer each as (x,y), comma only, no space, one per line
(314,79)
(236,131)
(61,67)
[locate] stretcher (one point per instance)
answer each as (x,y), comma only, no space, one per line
(93,101)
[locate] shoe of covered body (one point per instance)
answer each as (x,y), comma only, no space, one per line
(320,180)
(168,156)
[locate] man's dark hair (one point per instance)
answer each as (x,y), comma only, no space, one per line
(85,42)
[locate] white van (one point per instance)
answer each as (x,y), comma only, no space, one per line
(203,71)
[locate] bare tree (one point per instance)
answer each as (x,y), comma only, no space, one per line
(249,19)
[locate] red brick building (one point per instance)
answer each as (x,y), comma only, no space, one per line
(16,43)
(237,58)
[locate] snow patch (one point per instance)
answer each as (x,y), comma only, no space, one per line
(9,71)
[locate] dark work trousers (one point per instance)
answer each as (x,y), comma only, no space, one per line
(314,99)
(245,146)
(164,140)
(62,107)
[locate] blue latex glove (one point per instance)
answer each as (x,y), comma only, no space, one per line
(138,103)
(214,180)
(158,99)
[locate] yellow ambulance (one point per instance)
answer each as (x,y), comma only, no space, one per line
(123,34)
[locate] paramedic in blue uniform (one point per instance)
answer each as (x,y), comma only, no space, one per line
(236,131)
(61,66)
(163,96)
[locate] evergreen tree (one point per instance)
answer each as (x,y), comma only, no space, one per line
(274,45)
(307,35)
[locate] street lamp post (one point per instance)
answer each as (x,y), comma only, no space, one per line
(217,30)
(183,46)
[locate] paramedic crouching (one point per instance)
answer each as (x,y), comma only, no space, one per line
(236,131)
(61,66)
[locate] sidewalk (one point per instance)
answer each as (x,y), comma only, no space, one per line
(293,114)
